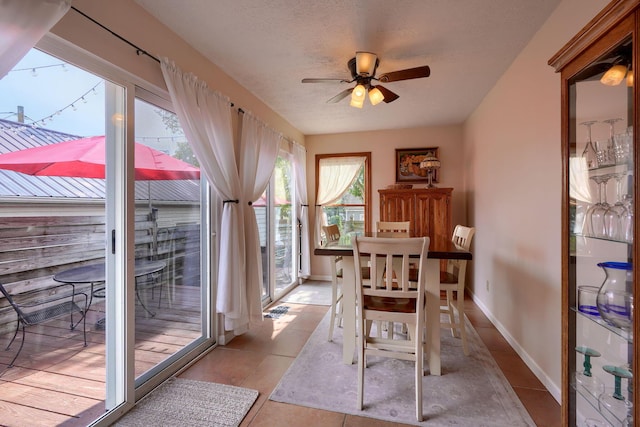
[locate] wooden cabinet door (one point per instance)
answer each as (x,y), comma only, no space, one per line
(398,206)
(433,215)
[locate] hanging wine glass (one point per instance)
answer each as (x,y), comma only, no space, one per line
(595,214)
(627,219)
(589,152)
(610,147)
(614,214)
(614,401)
(585,380)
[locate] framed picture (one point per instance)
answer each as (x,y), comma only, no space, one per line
(408,164)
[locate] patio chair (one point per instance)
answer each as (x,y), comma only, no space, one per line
(39,306)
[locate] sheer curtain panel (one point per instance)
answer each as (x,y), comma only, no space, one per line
(259,146)
(22,24)
(205,116)
(335,176)
(302,207)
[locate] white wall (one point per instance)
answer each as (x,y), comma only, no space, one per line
(382,145)
(512,144)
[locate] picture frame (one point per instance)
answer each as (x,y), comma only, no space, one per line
(408,165)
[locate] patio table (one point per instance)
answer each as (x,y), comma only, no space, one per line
(95,275)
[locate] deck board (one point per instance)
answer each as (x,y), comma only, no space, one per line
(56,380)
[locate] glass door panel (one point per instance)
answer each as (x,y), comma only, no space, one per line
(58,224)
(601,188)
(168,282)
(284,220)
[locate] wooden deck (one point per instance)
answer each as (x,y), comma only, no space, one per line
(57,381)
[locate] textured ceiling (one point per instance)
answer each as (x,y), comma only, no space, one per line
(270,46)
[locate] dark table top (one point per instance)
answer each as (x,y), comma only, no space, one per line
(438,248)
(94,273)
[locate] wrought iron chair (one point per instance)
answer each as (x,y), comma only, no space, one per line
(39,306)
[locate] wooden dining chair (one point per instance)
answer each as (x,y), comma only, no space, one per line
(393,227)
(383,299)
(452,280)
(332,235)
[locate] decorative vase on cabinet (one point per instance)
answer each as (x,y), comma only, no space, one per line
(597,75)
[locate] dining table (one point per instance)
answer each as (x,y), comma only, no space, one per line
(439,249)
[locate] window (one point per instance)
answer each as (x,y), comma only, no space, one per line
(346,202)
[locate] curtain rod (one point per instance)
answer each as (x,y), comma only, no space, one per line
(140,51)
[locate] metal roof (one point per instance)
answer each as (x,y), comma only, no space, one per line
(16,136)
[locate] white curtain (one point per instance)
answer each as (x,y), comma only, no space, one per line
(335,176)
(259,146)
(22,24)
(302,207)
(205,117)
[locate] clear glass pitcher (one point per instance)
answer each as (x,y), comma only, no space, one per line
(615,296)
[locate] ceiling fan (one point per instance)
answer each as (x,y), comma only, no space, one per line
(363,72)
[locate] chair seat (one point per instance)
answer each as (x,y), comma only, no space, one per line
(402,305)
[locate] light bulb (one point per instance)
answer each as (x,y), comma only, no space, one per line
(375,96)
(614,75)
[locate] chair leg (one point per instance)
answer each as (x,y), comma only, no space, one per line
(452,320)
(461,326)
(14,334)
(20,349)
(418,375)
(334,303)
(361,365)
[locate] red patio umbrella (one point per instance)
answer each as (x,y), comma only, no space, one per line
(85,158)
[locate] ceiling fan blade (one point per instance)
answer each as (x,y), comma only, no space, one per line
(388,95)
(325,81)
(339,97)
(409,73)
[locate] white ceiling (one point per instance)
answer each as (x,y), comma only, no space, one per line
(270,46)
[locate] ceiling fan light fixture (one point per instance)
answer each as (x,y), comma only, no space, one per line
(366,63)
(614,75)
(630,78)
(357,103)
(375,96)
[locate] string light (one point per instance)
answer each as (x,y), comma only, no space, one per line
(71,105)
(34,69)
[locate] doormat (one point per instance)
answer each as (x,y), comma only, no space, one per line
(184,402)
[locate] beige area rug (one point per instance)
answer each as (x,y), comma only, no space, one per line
(472,390)
(312,292)
(184,402)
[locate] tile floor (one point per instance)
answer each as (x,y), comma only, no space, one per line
(259,358)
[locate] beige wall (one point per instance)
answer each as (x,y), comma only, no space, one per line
(512,142)
(382,145)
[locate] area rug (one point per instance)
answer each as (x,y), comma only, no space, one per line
(184,402)
(472,390)
(314,293)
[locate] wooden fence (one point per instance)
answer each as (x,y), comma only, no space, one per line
(34,249)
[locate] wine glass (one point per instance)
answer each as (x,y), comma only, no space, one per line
(627,219)
(614,215)
(595,214)
(584,380)
(614,401)
(611,151)
(589,152)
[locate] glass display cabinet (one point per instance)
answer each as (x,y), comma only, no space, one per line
(600,189)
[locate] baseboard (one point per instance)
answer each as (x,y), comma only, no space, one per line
(535,368)
(321,278)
